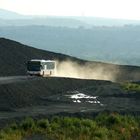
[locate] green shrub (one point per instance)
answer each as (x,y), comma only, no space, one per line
(88,123)
(66,122)
(14,126)
(131,87)
(56,119)
(28,123)
(77,122)
(101,133)
(113,119)
(43,123)
(103,127)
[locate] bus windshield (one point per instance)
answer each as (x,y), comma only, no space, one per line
(33,66)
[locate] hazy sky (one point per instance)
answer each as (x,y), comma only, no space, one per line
(125,9)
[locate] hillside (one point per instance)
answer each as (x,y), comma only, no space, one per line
(14,55)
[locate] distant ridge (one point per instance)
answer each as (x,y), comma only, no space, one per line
(66,21)
(6,14)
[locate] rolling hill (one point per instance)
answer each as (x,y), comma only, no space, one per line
(11,18)
(14,55)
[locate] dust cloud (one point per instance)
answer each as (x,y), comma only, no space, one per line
(86,71)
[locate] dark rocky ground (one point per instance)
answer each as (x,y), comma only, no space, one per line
(48,96)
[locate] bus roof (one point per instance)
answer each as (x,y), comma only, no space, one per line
(42,60)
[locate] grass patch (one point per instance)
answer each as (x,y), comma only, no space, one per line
(103,127)
(131,87)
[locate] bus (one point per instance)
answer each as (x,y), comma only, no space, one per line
(41,67)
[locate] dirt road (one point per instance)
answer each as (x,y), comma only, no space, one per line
(12,79)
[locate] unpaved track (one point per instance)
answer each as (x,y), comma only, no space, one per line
(13,79)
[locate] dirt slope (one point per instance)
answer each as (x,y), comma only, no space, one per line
(14,55)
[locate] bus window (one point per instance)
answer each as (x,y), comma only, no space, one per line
(50,65)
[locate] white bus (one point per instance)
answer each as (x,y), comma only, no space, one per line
(41,67)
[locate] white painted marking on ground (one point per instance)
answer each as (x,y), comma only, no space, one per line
(78,97)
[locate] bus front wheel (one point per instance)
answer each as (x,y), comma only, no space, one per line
(43,74)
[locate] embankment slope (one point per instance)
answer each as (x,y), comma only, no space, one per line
(14,55)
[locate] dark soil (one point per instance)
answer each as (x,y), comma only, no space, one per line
(49,96)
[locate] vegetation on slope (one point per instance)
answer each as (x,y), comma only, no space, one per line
(103,127)
(131,86)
